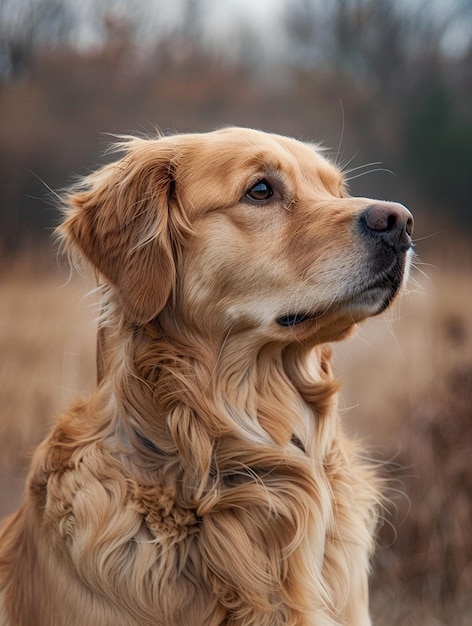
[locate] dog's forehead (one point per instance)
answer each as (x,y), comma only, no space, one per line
(231,155)
(245,145)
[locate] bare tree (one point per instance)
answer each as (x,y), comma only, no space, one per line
(382,41)
(26,24)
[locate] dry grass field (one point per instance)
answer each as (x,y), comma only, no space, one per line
(407,390)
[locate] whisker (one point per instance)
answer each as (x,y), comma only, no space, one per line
(341,139)
(438,232)
(420,271)
(377,169)
(342,166)
(360,167)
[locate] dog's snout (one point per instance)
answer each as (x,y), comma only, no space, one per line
(390,222)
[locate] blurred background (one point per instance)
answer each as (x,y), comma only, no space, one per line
(386,86)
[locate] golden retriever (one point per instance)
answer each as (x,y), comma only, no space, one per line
(207,481)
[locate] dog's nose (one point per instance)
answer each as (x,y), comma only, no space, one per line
(390,222)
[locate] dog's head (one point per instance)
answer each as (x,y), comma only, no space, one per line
(239,229)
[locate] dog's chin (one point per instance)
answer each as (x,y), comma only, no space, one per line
(374,300)
(335,322)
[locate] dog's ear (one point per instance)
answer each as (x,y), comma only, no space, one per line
(126,220)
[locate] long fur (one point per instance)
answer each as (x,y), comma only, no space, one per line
(207,480)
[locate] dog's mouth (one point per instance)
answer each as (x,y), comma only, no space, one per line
(293,319)
(373,297)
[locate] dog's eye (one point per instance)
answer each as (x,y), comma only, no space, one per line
(261,191)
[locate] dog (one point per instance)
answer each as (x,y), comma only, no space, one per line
(207,481)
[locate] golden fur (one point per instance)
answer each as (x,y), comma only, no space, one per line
(207,481)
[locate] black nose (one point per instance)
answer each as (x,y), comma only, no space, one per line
(389,222)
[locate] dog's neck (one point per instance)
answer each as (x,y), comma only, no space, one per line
(182,393)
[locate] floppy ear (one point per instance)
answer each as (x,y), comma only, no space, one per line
(125,220)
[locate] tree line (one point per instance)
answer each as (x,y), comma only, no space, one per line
(377,80)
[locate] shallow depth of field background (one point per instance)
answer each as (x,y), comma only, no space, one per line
(386,86)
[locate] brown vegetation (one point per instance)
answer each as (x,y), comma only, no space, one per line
(47,359)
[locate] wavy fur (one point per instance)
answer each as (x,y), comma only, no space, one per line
(207,481)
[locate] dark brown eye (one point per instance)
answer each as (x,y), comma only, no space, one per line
(261,191)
